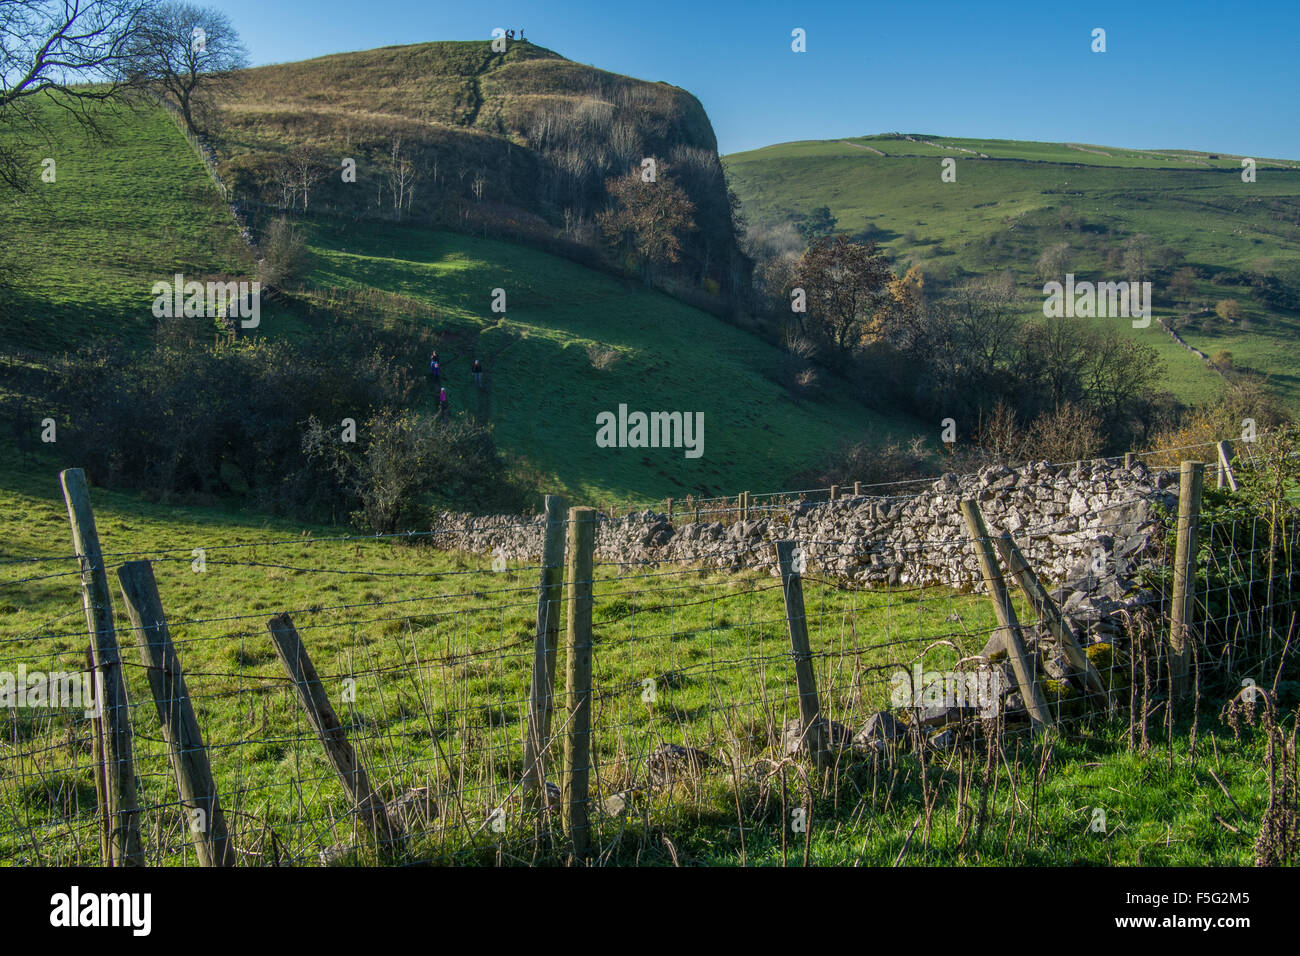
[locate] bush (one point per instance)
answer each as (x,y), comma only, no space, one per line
(201,423)
(402,460)
(871,464)
(284,255)
(1228,309)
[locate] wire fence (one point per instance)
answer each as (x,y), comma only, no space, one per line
(696,708)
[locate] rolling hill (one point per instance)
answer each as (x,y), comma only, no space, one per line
(573,341)
(1013,200)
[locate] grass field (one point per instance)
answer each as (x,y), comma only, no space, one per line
(543,389)
(439,647)
(1011,200)
(118,217)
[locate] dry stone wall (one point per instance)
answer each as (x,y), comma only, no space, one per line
(1063,517)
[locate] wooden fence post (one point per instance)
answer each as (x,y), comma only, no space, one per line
(1128,459)
(320,714)
(1025,679)
(1047,610)
(857,489)
(120,807)
(1190,483)
(180,727)
(541,696)
(1225,466)
(835,492)
(813,729)
(97,756)
(577,684)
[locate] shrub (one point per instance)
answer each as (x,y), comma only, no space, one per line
(284,255)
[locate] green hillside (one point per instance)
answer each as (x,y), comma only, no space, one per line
(1011,201)
(82,252)
(123,216)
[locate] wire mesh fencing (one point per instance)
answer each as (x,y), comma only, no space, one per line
(383,700)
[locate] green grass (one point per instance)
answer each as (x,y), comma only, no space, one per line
(542,389)
(85,250)
(1004,210)
(126,216)
(440,649)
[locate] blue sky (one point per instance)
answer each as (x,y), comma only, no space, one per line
(1193,75)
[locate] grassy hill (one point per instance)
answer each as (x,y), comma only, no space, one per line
(127,215)
(82,251)
(1013,200)
(518,142)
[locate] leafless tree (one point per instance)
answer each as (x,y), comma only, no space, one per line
(187,50)
(308,169)
(401,176)
(76,54)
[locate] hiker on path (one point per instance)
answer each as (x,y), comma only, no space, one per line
(478,373)
(435,370)
(442,400)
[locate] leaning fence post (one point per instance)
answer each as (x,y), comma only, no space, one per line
(320,714)
(1010,627)
(1047,610)
(97,755)
(813,728)
(120,807)
(577,684)
(541,696)
(180,727)
(1225,466)
(1190,483)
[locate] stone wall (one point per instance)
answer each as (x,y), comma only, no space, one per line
(1063,517)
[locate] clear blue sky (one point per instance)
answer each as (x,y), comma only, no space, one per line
(1195,75)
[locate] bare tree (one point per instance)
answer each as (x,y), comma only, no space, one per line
(187,50)
(401,176)
(286,182)
(77,54)
(844,282)
(308,169)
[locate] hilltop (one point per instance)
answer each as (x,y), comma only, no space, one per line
(517,143)
(1087,207)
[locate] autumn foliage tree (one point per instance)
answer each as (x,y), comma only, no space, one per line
(843,283)
(647,220)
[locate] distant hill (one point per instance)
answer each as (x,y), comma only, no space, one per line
(1012,201)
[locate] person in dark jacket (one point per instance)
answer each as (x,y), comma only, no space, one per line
(478,373)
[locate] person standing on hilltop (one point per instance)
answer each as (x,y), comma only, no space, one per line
(442,400)
(478,373)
